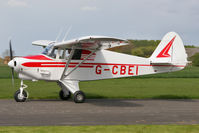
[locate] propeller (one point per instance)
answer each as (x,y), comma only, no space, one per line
(11,57)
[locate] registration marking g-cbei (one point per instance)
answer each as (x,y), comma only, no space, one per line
(118,69)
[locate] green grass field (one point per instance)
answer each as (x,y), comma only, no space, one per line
(105,129)
(176,85)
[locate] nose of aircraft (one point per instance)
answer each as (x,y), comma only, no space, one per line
(11,63)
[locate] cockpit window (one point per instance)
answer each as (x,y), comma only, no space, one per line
(48,49)
(53,52)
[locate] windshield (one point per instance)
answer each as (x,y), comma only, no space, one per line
(48,49)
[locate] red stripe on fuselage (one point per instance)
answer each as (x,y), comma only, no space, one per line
(37,57)
(133,64)
(54,64)
(86,65)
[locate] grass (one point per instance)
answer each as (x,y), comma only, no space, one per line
(177,85)
(153,88)
(104,129)
(5,72)
(163,88)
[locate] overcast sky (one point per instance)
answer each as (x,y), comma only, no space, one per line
(29,20)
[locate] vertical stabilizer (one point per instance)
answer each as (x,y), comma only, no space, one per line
(170,51)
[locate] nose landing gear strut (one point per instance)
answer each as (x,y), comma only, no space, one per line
(21,95)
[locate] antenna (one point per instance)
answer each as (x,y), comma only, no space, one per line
(67,33)
(60,32)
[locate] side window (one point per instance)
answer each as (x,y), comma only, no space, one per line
(62,53)
(53,53)
(77,54)
(67,53)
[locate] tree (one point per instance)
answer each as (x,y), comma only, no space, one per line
(1,60)
(7,53)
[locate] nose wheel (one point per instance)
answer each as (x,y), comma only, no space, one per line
(21,95)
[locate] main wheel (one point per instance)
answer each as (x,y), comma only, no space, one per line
(64,96)
(79,97)
(19,98)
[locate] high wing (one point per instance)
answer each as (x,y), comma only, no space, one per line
(92,42)
(43,43)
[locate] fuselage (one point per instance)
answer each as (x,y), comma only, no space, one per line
(103,64)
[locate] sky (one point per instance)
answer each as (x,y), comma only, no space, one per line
(24,21)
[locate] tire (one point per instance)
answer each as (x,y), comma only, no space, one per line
(79,97)
(62,96)
(18,98)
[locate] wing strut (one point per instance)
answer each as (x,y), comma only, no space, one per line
(68,62)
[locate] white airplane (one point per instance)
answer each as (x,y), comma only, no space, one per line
(87,58)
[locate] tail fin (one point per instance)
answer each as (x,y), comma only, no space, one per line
(170,51)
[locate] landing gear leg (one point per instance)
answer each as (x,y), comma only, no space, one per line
(73,87)
(21,95)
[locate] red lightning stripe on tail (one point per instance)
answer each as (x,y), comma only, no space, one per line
(165,51)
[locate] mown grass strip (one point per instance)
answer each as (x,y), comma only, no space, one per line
(151,88)
(104,129)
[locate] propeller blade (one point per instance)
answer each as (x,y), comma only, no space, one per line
(11,57)
(11,54)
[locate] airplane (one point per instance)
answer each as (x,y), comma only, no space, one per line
(88,58)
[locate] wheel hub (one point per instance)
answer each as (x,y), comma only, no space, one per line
(20,96)
(79,97)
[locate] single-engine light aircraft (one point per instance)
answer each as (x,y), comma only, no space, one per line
(88,58)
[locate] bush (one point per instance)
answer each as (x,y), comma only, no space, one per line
(145,43)
(190,46)
(195,59)
(143,51)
